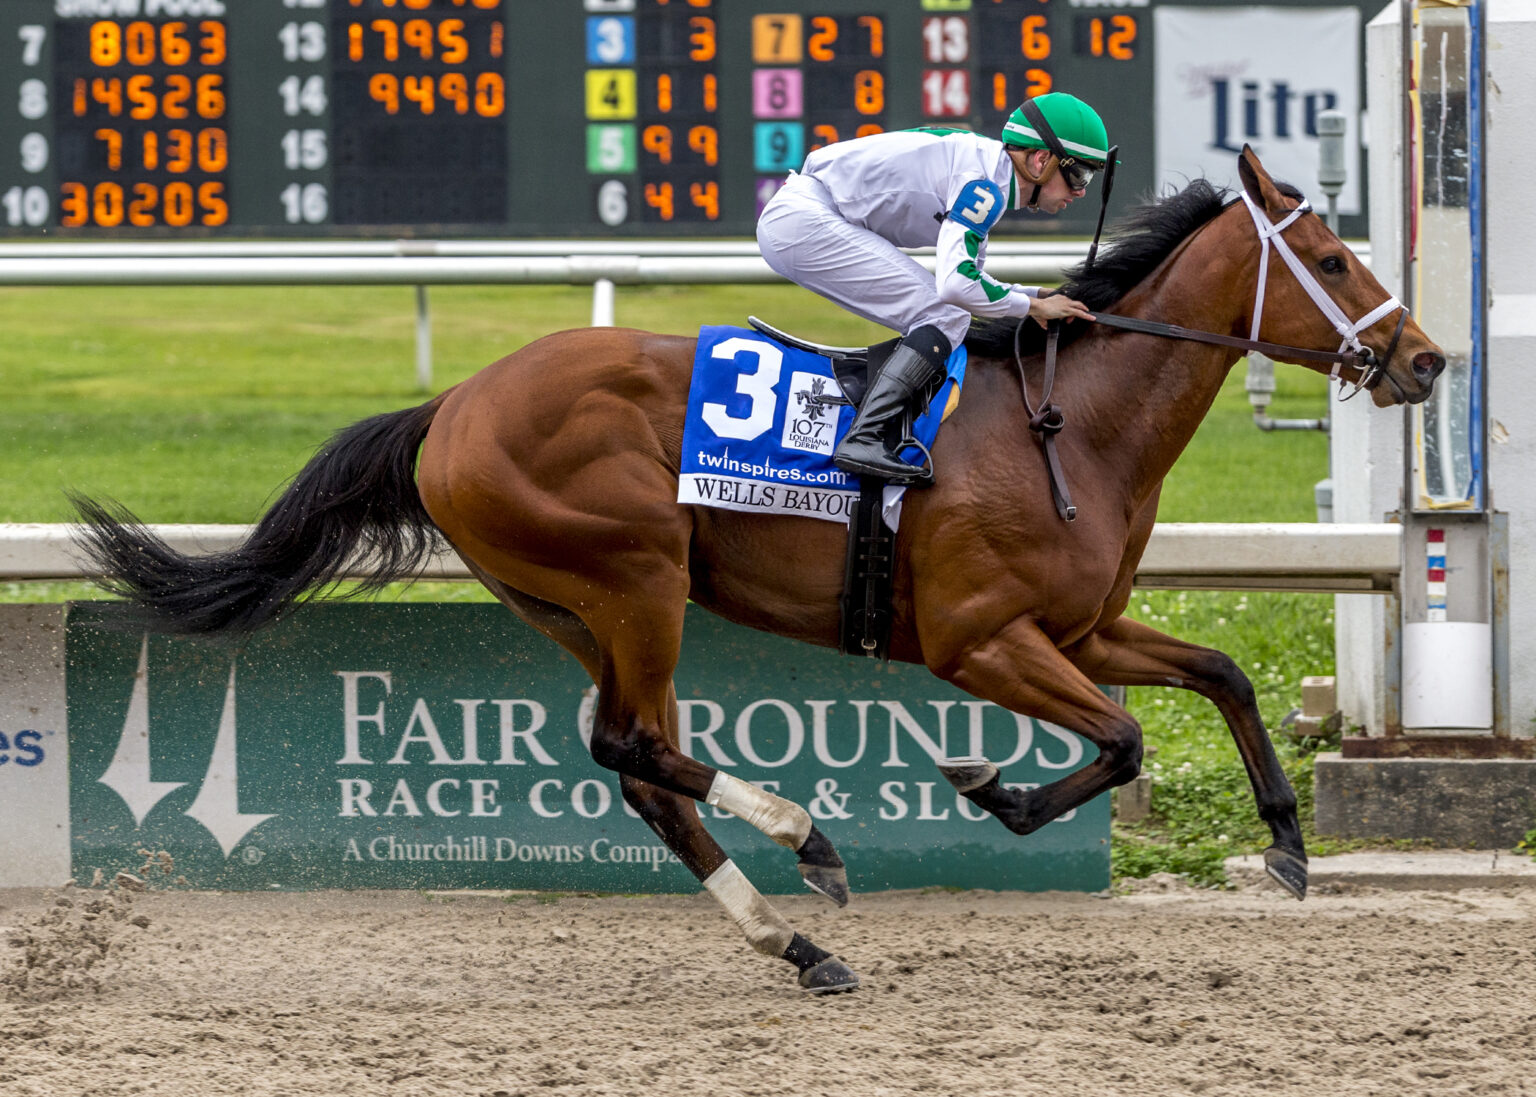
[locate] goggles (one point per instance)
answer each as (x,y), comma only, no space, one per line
(1077,173)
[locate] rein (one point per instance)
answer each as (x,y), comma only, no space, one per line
(1048,421)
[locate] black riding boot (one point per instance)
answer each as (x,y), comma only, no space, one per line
(910,370)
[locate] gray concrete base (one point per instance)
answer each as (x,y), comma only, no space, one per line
(1419,870)
(1459,802)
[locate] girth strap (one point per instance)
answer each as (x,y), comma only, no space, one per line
(1047,422)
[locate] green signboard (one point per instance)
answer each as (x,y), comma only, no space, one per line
(443,746)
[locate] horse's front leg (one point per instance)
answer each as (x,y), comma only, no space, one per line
(1020,669)
(1128,653)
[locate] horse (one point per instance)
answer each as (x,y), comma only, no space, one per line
(554,475)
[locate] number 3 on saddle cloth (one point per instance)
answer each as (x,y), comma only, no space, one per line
(764,418)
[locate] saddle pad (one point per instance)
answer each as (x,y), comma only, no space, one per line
(759,434)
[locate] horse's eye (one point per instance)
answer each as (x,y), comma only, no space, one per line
(1332,265)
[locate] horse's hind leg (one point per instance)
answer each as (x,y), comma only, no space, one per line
(1129,653)
(676,821)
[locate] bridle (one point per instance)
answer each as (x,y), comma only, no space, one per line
(1048,420)
(1357,355)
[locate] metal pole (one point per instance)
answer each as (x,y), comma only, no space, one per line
(1331,127)
(602,303)
(423,341)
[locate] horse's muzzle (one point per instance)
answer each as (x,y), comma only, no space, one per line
(1428,365)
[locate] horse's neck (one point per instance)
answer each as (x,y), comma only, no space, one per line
(1137,398)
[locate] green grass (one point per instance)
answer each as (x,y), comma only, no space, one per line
(197,404)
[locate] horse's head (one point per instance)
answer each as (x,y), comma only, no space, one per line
(1313,292)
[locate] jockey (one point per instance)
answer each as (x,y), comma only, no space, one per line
(837,226)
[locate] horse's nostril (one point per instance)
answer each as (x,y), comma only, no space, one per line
(1428,365)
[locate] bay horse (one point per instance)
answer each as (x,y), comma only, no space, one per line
(554,474)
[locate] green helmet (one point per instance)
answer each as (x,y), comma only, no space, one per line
(1075,124)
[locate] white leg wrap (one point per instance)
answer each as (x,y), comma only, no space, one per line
(786,823)
(766,929)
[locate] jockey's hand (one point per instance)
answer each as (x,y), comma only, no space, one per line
(1057,307)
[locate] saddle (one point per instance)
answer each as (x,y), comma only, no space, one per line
(870,563)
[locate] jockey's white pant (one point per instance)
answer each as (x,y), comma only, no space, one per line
(804,238)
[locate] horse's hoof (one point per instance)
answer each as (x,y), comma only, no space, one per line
(1288,870)
(831,881)
(968,774)
(831,976)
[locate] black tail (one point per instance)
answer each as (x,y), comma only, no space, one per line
(355,499)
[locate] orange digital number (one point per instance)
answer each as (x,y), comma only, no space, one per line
(139,43)
(1118,43)
(419,90)
(175,46)
(705,140)
(108,91)
(212,43)
(390,31)
(876,28)
(450,36)
(75,206)
(868,92)
(106,45)
(113,139)
(141,210)
(711,93)
(178,151)
(417,34)
(657,140)
(823,34)
(210,95)
(141,94)
(868,129)
(453,87)
(384,87)
(490,95)
(701,38)
(659,197)
(178,90)
(107,205)
(1034,42)
(822,136)
(706,196)
(1039,83)
(210,197)
(664,94)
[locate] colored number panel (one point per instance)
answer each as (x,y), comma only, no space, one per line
(611,94)
(611,149)
(611,40)
(778,146)
(778,93)
(777,39)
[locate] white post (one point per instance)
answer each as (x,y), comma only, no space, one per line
(423,341)
(602,303)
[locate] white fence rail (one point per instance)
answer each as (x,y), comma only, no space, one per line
(1194,556)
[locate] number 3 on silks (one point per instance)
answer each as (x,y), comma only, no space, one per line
(756,386)
(978,206)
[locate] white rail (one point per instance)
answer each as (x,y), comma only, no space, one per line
(1195,556)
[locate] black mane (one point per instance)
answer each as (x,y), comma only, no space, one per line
(1137,244)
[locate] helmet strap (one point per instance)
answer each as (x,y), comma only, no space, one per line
(1021,163)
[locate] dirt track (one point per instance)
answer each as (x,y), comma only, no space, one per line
(1168,992)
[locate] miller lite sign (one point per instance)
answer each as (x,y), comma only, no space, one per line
(1226,77)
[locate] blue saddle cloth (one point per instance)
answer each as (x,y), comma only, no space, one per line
(760,431)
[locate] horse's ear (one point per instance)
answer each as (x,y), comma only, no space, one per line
(1256,181)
